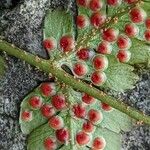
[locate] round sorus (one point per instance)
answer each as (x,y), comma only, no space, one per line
(47,110)
(104,48)
(147,23)
(67,43)
(80,69)
(82,138)
(131,30)
(95,116)
(83,3)
(59,102)
(110,34)
(137,15)
(123,42)
(106,107)
(62,135)
(79,110)
(95,5)
(88,99)
(113,2)
(82,21)
(49,44)
(50,143)
(83,54)
(88,127)
(35,102)
(147,35)
(100,62)
(124,56)
(26,116)
(97,19)
(98,78)
(56,122)
(48,89)
(99,143)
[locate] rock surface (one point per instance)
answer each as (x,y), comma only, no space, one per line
(22,25)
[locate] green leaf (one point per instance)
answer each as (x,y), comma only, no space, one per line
(38,118)
(2,66)
(109,128)
(37,137)
(57,23)
(139,46)
(140,49)
(140,52)
(119,76)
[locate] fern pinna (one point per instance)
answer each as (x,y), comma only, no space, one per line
(96,51)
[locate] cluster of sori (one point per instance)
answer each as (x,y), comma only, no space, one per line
(78,111)
(110,38)
(90,117)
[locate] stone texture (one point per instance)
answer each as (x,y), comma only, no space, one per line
(22,26)
(137,139)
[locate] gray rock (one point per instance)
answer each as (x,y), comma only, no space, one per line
(22,26)
(5,3)
(139,97)
(137,139)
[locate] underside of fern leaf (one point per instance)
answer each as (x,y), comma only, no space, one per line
(71,119)
(101,49)
(105,49)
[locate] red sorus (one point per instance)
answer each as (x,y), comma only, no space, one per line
(82,138)
(83,54)
(137,15)
(47,110)
(88,99)
(49,44)
(67,43)
(123,42)
(100,62)
(113,2)
(147,23)
(110,34)
(26,116)
(35,102)
(97,19)
(79,110)
(48,89)
(56,122)
(130,1)
(104,48)
(80,69)
(82,21)
(59,102)
(95,5)
(95,116)
(98,78)
(62,135)
(147,35)
(88,127)
(131,30)
(99,143)
(124,56)
(50,143)
(83,3)
(106,107)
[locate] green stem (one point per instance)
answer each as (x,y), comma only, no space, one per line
(62,76)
